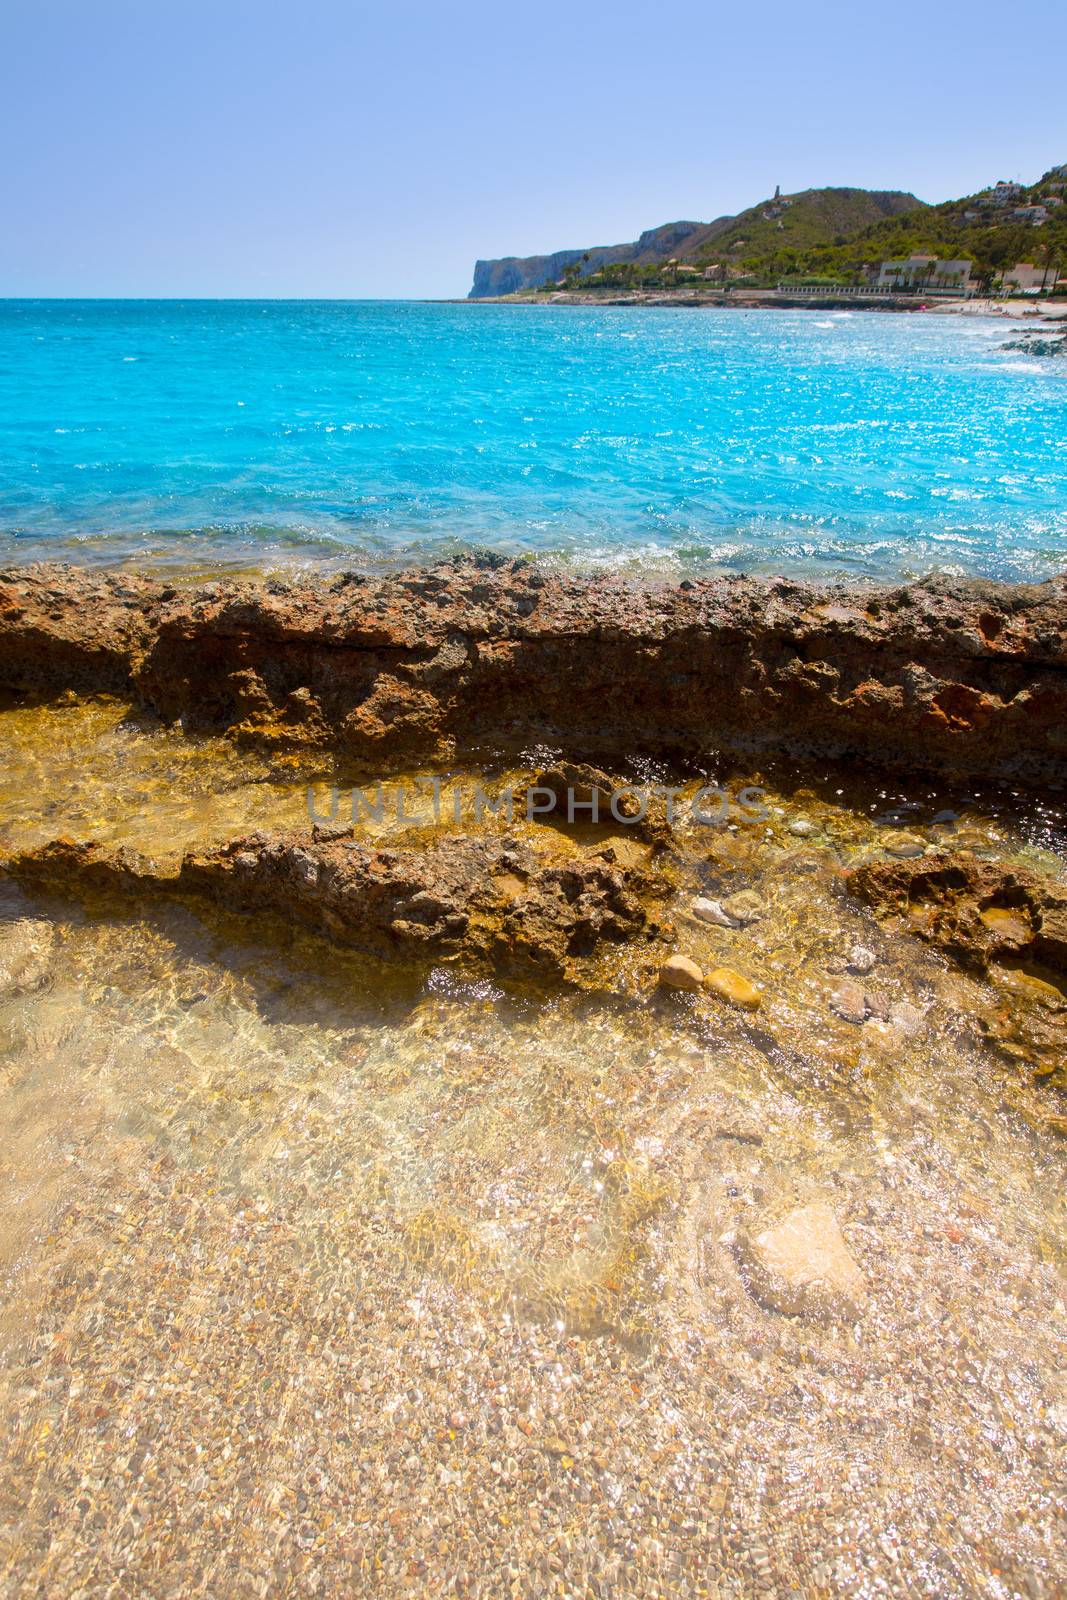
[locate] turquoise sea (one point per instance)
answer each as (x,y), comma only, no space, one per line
(247,432)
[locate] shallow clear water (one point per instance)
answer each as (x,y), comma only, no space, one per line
(244,432)
(324,1275)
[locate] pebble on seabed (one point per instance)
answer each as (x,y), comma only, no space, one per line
(904,845)
(735,989)
(744,907)
(678,972)
(861,960)
(802,1266)
(803,828)
(712,911)
(850,1002)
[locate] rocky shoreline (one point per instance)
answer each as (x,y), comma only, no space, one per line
(941,676)
(487,663)
(419,1195)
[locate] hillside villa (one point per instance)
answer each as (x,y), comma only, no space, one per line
(928,273)
(1030,279)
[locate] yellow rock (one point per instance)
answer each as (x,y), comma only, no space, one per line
(678,972)
(734,989)
(1006,924)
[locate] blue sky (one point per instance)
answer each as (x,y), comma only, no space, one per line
(331,148)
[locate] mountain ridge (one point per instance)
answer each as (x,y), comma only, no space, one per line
(846,210)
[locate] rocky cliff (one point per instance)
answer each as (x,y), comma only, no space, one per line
(529,272)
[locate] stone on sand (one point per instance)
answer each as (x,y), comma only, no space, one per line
(734,989)
(712,911)
(850,1002)
(744,907)
(802,1267)
(678,972)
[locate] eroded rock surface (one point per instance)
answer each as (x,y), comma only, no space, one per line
(490,905)
(942,675)
(978,911)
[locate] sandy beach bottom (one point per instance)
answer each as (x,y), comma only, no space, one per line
(327,1275)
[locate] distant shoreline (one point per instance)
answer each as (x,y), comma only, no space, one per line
(774,299)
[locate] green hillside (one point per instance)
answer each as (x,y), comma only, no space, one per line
(977,228)
(798,223)
(841,234)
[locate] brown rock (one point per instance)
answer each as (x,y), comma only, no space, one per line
(744,907)
(977,911)
(487,904)
(850,1002)
(942,674)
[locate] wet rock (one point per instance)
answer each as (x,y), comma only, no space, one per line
(803,828)
(735,989)
(581,793)
(678,972)
(906,1018)
(1029,1024)
(1012,926)
(802,1267)
(904,846)
(713,912)
(979,912)
(849,1000)
(861,960)
(943,674)
(487,904)
(744,907)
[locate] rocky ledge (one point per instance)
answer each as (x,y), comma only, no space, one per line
(979,912)
(422,665)
(489,905)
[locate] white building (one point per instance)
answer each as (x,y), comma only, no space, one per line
(926,272)
(1027,278)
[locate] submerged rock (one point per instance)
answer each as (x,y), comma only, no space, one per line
(744,907)
(25,954)
(485,903)
(850,1002)
(802,1267)
(678,972)
(735,989)
(906,1018)
(905,846)
(861,960)
(979,912)
(712,911)
(803,828)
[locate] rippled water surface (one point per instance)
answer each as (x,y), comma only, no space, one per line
(208,432)
(324,1276)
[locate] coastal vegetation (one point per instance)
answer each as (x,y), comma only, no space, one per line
(839,236)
